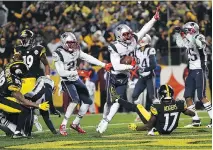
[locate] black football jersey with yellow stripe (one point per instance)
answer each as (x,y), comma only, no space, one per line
(32,57)
(10,82)
(167,115)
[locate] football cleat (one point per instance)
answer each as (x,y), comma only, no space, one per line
(153,132)
(102,126)
(18,135)
(77,128)
(195,123)
(62,130)
(210,124)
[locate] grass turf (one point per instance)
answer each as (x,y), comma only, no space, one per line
(116,137)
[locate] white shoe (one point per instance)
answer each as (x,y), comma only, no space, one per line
(195,123)
(153,132)
(102,126)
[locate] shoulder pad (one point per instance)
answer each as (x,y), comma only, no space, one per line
(112,47)
(153,110)
(41,49)
(152,51)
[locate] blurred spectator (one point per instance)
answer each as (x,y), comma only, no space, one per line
(3,14)
(5,52)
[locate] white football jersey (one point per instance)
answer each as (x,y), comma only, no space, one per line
(122,50)
(195,50)
(143,59)
(69,61)
(65,63)
(91,87)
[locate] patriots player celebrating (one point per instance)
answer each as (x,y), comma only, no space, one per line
(125,45)
(147,63)
(188,37)
(65,58)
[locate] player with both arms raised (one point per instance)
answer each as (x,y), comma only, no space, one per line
(188,37)
(65,58)
(125,45)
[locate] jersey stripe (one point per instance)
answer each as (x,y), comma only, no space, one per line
(60,55)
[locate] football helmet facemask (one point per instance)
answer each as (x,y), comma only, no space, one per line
(26,38)
(191,28)
(166,93)
(123,33)
(69,42)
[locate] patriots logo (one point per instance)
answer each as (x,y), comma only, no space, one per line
(119,28)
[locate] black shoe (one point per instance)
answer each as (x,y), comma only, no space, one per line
(17,136)
(55,132)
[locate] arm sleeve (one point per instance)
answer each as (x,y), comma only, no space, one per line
(59,65)
(91,59)
(146,28)
(179,40)
(115,60)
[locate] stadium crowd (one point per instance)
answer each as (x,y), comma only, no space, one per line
(93,23)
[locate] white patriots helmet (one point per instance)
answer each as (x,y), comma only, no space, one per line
(123,33)
(191,28)
(69,42)
(145,40)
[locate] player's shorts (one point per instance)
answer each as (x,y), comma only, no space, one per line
(10,105)
(196,80)
(77,91)
(27,85)
(119,83)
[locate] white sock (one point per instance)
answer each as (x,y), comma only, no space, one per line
(82,111)
(68,113)
(208,107)
(36,123)
(113,110)
(192,108)
(8,124)
(106,110)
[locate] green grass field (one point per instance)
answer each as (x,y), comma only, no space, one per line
(116,137)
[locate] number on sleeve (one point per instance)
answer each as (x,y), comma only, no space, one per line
(167,117)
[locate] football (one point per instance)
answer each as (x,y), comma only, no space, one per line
(126,60)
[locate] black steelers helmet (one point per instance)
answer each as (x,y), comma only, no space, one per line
(165,93)
(26,38)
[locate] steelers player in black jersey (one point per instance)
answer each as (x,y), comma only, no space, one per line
(164,116)
(33,55)
(11,99)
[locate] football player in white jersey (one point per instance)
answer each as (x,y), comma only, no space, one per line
(188,37)
(146,64)
(65,58)
(125,45)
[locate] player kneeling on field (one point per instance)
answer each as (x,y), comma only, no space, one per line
(11,99)
(40,93)
(164,116)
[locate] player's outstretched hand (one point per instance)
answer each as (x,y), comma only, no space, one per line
(132,126)
(157,16)
(108,66)
(44,106)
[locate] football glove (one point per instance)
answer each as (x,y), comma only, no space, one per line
(157,16)
(108,66)
(44,106)
(132,126)
(133,63)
